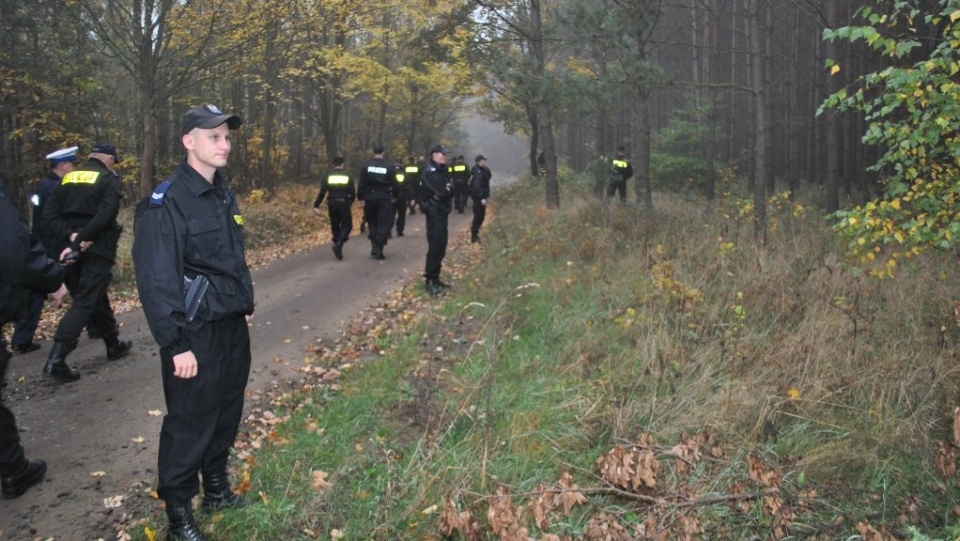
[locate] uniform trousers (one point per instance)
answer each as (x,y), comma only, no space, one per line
(401,214)
(437,220)
(88,280)
(341,219)
(203,412)
(379,214)
(618,186)
(11,452)
(479,213)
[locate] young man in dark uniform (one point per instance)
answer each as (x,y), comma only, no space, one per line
(434,197)
(403,196)
(61,162)
(620,172)
(82,213)
(340,187)
(24,269)
(411,175)
(377,192)
(480,193)
(459,179)
(191,230)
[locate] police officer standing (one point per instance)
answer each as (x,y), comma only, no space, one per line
(411,174)
(434,197)
(620,171)
(480,193)
(191,229)
(460,178)
(377,192)
(82,213)
(23,266)
(61,162)
(403,196)
(340,187)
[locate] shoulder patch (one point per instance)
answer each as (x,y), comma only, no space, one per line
(156,198)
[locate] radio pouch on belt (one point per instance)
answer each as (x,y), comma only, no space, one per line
(194,290)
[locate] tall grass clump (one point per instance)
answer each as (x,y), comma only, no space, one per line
(609,372)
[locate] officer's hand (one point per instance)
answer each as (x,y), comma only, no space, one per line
(85,245)
(361,204)
(316,210)
(483,202)
(68,257)
(56,298)
(185,365)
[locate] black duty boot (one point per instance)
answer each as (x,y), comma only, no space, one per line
(475,239)
(118,349)
(217,494)
(433,287)
(338,250)
(443,284)
(373,250)
(182,524)
(380,253)
(56,366)
(30,473)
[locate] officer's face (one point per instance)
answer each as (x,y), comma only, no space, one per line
(439,157)
(209,147)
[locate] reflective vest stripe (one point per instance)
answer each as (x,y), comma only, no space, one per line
(338,180)
(81,177)
(400,178)
(459,168)
(412,169)
(620,164)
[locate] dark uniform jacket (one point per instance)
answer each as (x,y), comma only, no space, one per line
(86,202)
(189,227)
(42,194)
(459,173)
(411,179)
(480,182)
(377,181)
(435,193)
(338,184)
(621,168)
(24,265)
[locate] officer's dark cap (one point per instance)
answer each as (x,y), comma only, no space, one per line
(106,148)
(479,157)
(439,149)
(338,160)
(378,149)
(208,117)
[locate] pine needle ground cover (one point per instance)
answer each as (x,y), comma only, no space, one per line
(608,373)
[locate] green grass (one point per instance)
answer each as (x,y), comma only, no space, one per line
(580,330)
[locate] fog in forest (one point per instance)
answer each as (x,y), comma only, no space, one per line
(506,154)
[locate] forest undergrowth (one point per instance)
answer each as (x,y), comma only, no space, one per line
(602,372)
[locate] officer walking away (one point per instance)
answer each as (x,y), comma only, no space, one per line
(480,193)
(61,162)
(377,192)
(189,233)
(434,197)
(404,195)
(82,213)
(24,268)
(338,184)
(460,178)
(620,171)
(411,174)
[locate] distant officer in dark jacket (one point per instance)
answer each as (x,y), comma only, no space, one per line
(480,193)
(620,171)
(342,193)
(24,267)
(377,192)
(191,229)
(61,162)
(434,197)
(460,180)
(411,175)
(404,195)
(82,213)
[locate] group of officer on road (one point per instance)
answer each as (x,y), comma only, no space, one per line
(387,192)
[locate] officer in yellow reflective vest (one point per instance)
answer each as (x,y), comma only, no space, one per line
(620,171)
(411,175)
(403,196)
(460,180)
(339,185)
(82,213)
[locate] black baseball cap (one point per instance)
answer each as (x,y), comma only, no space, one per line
(338,160)
(105,148)
(377,149)
(479,157)
(208,117)
(439,148)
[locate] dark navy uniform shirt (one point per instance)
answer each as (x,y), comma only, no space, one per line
(190,227)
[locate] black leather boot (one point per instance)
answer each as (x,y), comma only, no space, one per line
(433,287)
(217,494)
(56,366)
(338,250)
(380,253)
(182,524)
(117,349)
(29,474)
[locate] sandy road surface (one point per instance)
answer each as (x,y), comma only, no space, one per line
(103,423)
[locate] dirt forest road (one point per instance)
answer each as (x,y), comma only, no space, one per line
(99,435)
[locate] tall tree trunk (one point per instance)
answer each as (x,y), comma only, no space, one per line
(552,185)
(642,186)
(759,122)
(832,125)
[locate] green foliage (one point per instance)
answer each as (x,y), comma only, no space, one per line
(912,109)
(674,163)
